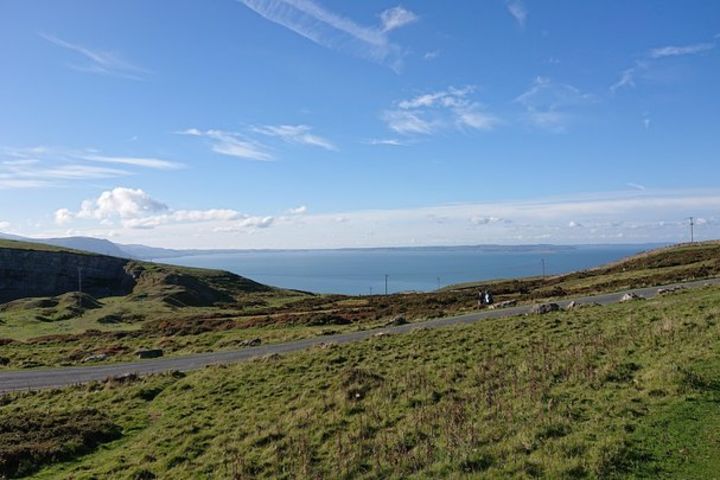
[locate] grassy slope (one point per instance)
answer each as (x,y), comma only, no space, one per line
(38,247)
(629,391)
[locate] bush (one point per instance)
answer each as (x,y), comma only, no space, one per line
(29,440)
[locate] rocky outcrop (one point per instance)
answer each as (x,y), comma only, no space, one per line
(34,273)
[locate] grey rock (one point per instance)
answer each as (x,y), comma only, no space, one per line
(95,358)
(505,304)
(149,353)
(545,308)
(254,342)
(629,297)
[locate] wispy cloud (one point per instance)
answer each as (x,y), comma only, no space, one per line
(154,163)
(41,166)
(432,55)
(549,105)
(629,75)
(519,12)
(394,142)
(396,17)
(636,186)
(297,134)
(312,21)
(98,61)
(674,51)
(232,144)
(428,113)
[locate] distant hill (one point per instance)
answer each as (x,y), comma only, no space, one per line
(30,269)
(87,244)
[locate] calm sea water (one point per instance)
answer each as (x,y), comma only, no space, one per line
(363,271)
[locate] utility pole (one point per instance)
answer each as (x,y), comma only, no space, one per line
(371,291)
(542,262)
(692,229)
(438,281)
(386,279)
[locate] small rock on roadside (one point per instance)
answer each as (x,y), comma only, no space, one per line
(628,297)
(95,358)
(149,353)
(254,342)
(667,290)
(397,321)
(545,308)
(505,304)
(572,305)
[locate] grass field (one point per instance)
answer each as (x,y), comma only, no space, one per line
(625,391)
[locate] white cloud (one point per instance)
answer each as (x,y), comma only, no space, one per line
(4,225)
(628,76)
(121,202)
(232,144)
(12,183)
(480,220)
(135,209)
(427,113)
(63,216)
(407,123)
(155,163)
(432,55)
(396,17)
(298,134)
(635,216)
(301,210)
(100,62)
(394,142)
(636,186)
(518,11)
(574,224)
(330,30)
(548,104)
(674,51)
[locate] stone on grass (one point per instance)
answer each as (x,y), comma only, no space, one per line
(545,308)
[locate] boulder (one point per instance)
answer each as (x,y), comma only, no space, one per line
(149,353)
(667,290)
(628,297)
(545,308)
(505,304)
(572,305)
(253,342)
(397,321)
(95,358)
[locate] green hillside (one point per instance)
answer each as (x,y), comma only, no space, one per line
(626,391)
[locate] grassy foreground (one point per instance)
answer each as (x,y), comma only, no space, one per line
(625,391)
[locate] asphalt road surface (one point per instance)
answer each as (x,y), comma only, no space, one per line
(33,379)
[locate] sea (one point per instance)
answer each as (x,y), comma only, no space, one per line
(392,270)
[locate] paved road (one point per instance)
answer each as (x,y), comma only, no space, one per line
(57,377)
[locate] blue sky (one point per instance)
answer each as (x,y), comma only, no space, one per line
(317,123)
